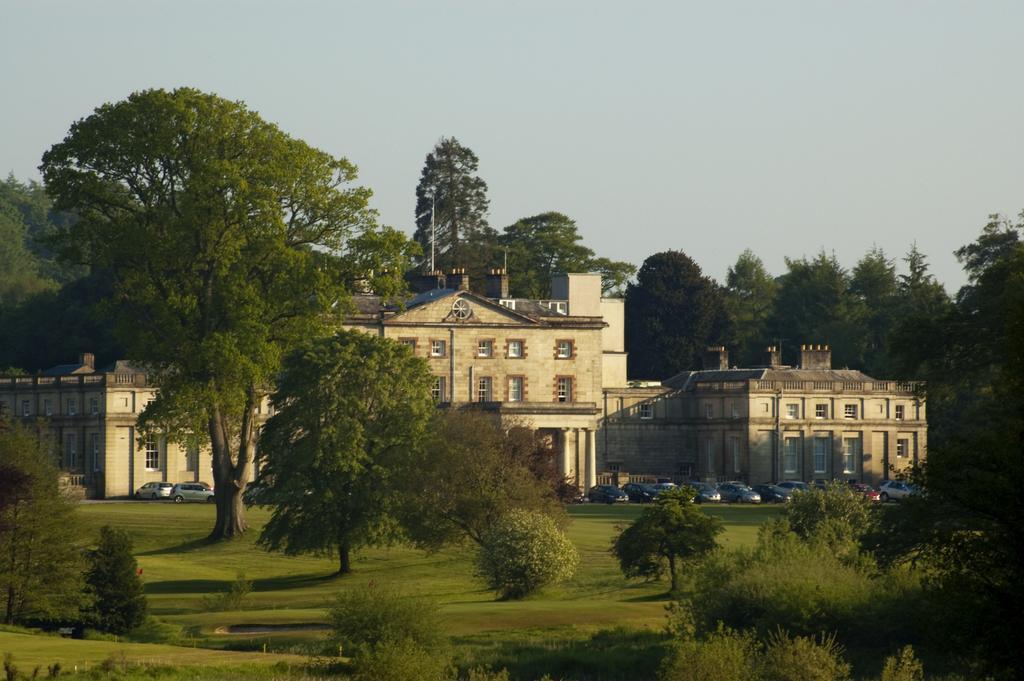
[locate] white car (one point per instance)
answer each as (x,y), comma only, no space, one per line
(191,491)
(154,490)
(896,490)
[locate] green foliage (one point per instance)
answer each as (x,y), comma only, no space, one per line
(453,198)
(469,474)
(365,617)
(352,410)
(233,598)
(547,244)
(119,602)
(673,312)
(749,297)
(668,533)
(524,552)
(34,209)
(838,509)
(401,660)
(229,243)
(802,658)
(723,654)
(903,666)
(41,566)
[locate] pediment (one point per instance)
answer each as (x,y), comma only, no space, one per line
(462,308)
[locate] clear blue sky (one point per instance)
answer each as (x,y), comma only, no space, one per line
(785,127)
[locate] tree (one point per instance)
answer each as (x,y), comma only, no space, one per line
(838,510)
(34,206)
(113,580)
(470,474)
(523,552)
(451,201)
(19,269)
(228,241)
(40,563)
(547,244)
(873,283)
(352,410)
(749,297)
(814,305)
(922,309)
(673,312)
(668,533)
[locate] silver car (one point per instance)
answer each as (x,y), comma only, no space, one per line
(154,490)
(896,490)
(738,493)
(191,491)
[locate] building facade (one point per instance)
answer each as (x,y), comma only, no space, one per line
(765,423)
(541,364)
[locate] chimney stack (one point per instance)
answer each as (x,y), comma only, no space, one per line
(716,357)
(458,279)
(815,357)
(773,357)
(88,359)
(497,283)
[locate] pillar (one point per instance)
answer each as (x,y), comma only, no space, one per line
(565,465)
(591,468)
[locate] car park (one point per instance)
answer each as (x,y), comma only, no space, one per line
(738,493)
(772,493)
(191,491)
(640,492)
(154,490)
(606,494)
(896,490)
(706,492)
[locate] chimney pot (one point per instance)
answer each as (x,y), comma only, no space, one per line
(88,359)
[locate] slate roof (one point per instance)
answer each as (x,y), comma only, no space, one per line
(68,370)
(688,380)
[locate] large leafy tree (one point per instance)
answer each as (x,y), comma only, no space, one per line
(352,412)
(451,200)
(749,297)
(546,244)
(668,534)
(228,241)
(469,474)
(40,562)
(673,312)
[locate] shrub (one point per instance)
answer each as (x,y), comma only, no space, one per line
(233,598)
(903,667)
(365,617)
(402,660)
(725,654)
(523,552)
(802,658)
(838,511)
(113,579)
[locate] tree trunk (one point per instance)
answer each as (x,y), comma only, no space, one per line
(344,559)
(230,474)
(675,575)
(230,512)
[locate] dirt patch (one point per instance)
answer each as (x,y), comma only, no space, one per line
(271,628)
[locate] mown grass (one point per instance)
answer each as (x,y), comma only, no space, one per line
(180,569)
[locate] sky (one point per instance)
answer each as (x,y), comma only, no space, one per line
(781,126)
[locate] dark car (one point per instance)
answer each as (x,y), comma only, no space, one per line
(738,493)
(706,492)
(606,494)
(793,485)
(773,494)
(640,492)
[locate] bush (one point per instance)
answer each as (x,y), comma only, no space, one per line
(233,598)
(403,660)
(366,617)
(903,667)
(838,511)
(802,658)
(725,654)
(524,552)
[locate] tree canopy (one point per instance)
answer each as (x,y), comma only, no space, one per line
(673,312)
(228,242)
(352,411)
(749,297)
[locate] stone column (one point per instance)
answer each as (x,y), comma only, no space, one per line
(565,465)
(591,467)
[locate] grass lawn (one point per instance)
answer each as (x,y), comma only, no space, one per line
(180,569)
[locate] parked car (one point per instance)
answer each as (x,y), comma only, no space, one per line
(896,490)
(664,485)
(819,484)
(706,492)
(154,490)
(865,490)
(793,485)
(640,492)
(772,493)
(738,493)
(191,491)
(606,494)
